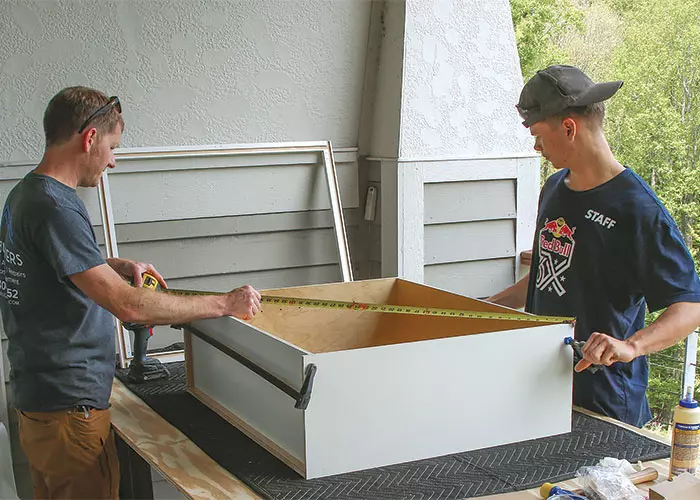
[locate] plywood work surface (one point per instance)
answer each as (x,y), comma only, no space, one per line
(168,450)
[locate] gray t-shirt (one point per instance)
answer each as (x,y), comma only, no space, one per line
(61,343)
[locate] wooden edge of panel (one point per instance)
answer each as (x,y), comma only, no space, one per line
(296,464)
(170,452)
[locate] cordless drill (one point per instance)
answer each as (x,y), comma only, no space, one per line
(142,368)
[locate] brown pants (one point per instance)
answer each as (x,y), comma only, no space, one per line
(71,454)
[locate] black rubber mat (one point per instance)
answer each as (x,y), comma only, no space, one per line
(464,475)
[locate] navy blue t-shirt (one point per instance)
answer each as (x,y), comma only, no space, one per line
(61,343)
(604,255)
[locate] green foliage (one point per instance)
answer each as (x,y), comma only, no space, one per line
(620,6)
(538,24)
(665,380)
(654,122)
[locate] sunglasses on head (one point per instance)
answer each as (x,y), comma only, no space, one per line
(113,102)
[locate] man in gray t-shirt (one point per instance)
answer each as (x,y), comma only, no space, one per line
(63,354)
(57,295)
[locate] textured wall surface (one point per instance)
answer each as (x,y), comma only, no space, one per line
(461,80)
(189,72)
(386,120)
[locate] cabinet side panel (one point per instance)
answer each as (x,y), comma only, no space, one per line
(278,357)
(255,406)
(392,404)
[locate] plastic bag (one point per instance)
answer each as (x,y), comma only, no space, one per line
(609,483)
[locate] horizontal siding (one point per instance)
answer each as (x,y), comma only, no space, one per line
(153,196)
(467,241)
(260,279)
(460,201)
(153,189)
(231,225)
(476,170)
(470,224)
(236,253)
(481,278)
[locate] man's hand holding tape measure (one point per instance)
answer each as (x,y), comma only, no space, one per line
(134,271)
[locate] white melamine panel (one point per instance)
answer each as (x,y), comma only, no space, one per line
(469,241)
(277,356)
(385,405)
(469,201)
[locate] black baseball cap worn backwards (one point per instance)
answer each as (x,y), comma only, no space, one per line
(558,87)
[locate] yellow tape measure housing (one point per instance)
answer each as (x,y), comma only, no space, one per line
(152,283)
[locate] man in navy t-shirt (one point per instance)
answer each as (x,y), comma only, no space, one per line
(605,248)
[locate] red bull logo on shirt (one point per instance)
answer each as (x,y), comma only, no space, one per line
(557,245)
(559,229)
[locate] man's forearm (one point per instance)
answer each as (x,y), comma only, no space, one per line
(514,296)
(154,308)
(138,305)
(679,320)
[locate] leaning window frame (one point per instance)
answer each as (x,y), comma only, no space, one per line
(323,148)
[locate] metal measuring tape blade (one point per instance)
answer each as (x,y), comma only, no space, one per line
(380,308)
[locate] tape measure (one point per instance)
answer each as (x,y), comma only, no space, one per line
(152,283)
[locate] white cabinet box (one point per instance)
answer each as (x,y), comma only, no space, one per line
(380,388)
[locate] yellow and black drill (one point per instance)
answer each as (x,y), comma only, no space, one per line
(142,368)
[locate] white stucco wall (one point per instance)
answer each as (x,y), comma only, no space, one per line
(189,72)
(386,119)
(461,80)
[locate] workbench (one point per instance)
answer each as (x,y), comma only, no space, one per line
(147,440)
